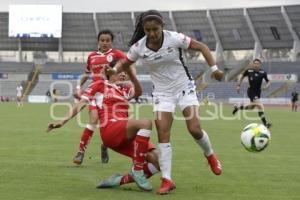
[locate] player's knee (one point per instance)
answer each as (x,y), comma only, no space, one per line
(146,124)
(93,119)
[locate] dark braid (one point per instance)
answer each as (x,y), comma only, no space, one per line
(142,18)
(139,30)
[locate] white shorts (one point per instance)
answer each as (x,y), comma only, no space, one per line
(167,103)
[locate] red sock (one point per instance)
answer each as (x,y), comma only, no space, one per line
(140,151)
(127,178)
(85,138)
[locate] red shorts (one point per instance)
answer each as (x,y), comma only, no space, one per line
(114,136)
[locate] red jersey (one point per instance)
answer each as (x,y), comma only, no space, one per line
(97,60)
(115,100)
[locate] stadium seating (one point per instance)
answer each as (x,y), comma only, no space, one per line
(78,32)
(120,23)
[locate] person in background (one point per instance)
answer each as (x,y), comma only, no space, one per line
(255,76)
(105,55)
(19,95)
(294,100)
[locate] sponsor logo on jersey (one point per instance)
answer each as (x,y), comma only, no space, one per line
(109,58)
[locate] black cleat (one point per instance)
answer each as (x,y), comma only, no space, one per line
(235,109)
(78,159)
(104,154)
(268,125)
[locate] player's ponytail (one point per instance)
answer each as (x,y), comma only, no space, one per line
(142,18)
(139,30)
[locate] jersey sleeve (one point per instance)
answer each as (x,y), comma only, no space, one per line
(132,54)
(181,40)
(93,88)
(266,77)
(246,73)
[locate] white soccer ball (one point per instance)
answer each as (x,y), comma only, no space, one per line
(255,137)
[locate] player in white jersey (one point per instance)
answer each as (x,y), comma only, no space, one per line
(161,52)
(19,95)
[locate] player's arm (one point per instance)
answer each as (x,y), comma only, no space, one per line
(138,90)
(121,65)
(73,112)
(238,86)
(199,46)
(268,82)
(83,79)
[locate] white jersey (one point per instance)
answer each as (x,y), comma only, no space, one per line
(19,91)
(167,69)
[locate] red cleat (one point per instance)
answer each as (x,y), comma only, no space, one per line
(215,164)
(166,186)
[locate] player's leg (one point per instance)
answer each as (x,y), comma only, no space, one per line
(191,114)
(261,113)
(129,138)
(164,107)
(250,106)
(163,121)
(139,131)
(150,168)
(86,135)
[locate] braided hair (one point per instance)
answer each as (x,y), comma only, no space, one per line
(142,18)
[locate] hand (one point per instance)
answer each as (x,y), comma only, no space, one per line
(238,89)
(218,75)
(54,125)
(109,71)
(77,94)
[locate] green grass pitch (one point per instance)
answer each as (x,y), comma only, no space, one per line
(35,165)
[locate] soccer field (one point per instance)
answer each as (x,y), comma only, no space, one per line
(38,165)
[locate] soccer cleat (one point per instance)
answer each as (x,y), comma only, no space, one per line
(104,154)
(140,179)
(235,109)
(78,159)
(166,186)
(111,182)
(215,164)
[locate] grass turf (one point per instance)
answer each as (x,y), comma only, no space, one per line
(37,165)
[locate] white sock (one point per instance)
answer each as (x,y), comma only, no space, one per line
(90,127)
(165,159)
(205,144)
(144,132)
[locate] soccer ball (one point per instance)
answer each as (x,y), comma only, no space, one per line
(255,137)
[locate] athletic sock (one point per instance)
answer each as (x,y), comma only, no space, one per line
(85,137)
(149,170)
(205,144)
(262,117)
(165,159)
(141,142)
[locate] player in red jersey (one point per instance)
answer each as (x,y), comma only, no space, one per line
(95,62)
(129,137)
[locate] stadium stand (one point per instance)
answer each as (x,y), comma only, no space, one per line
(231,26)
(6,43)
(78,32)
(120,23)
